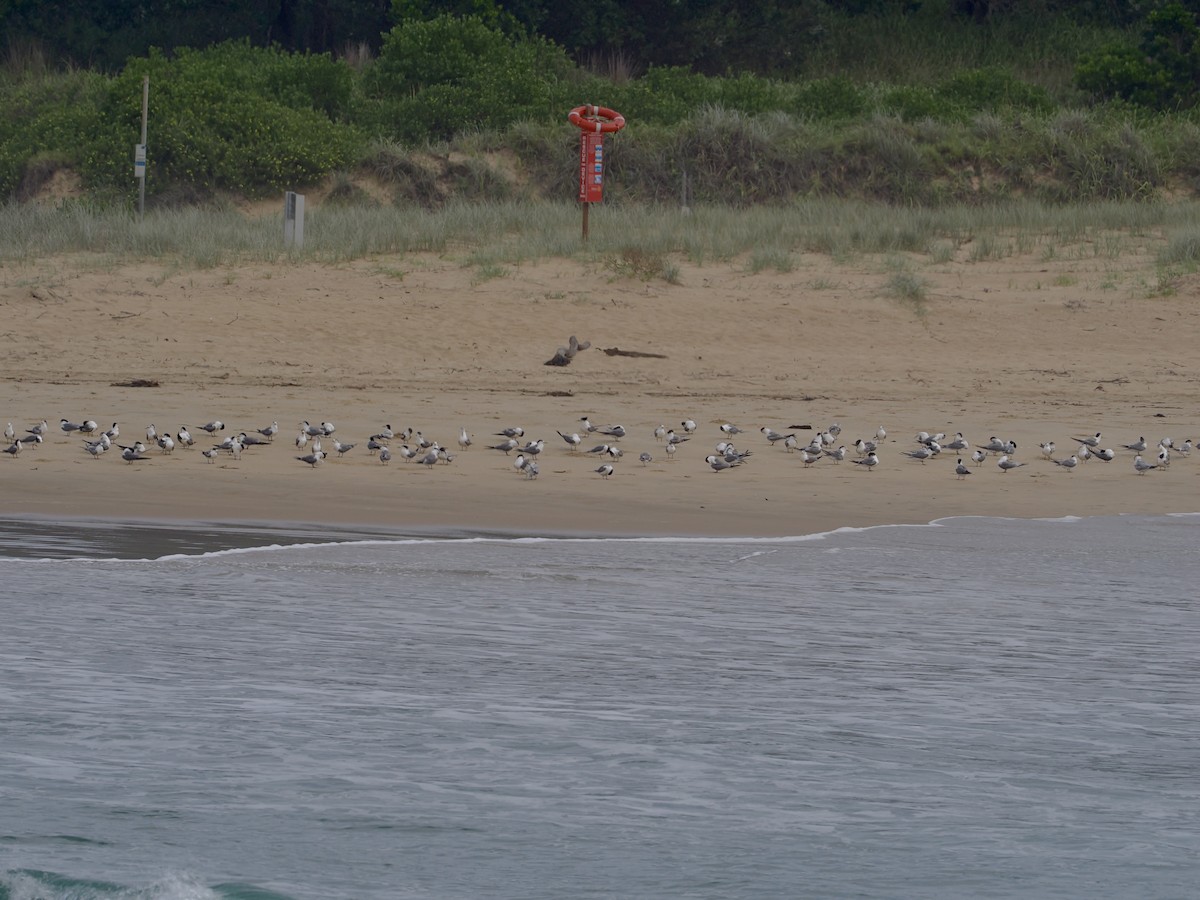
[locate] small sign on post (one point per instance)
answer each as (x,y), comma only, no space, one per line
(139,162)
(293,220)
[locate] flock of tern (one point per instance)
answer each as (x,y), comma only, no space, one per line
(413,447)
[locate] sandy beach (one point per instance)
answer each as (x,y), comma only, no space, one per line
(1022,348)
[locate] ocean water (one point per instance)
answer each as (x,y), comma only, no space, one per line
(975,708)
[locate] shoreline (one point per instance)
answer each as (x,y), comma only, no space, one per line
(44,539)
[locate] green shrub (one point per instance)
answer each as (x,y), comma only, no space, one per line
(828,98)
(215,124)
(440,76)
(1162,72)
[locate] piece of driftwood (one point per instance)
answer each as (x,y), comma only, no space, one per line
(617,351)
(137,382)
(564,355)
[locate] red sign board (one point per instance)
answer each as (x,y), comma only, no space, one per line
(591,167)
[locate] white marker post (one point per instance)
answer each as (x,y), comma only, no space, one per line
(293,220)
(139,151)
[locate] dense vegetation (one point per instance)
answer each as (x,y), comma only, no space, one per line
(913,103)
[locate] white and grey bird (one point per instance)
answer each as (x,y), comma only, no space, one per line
(301,440)
(1164,457)
(431,457)
(994,445)
(104,442)
(586,425)
(531,469)
(645,458)
(1185,449)
(1069,463)
(808,457)
(959,443)
(1141,466)
(41,429)
(133,454)
(1093,441)
(210,455)
(673,438)
(9,433)
(880,434)
(374,444)
(920,454)
(96,448)
(270,431)
(514,431)
(342,449)
(1007,464)
(385,455)
(507,446)
(1137,446)
(519,463)
(837,455)
(34,439)
(1047,448)
(790,443)
(423,442)
(598,450)
(151,433)
(730,429)
(979,456)
(166,443)
(870,462)
(1105,453)
(671,450)
(313,459)
(88,426)
(185,437)
(771,434)
(68,427)
(14,449)
(616,432)
(464,438)
(310,430)
(961,470)
(533,448)
(114,432)
(384,434)
(214,426)
(835,429)
(1084,453)
(249,440)
(604,471)
(328,428)
(660,432)
(688,425)
(719,463)
(573,440)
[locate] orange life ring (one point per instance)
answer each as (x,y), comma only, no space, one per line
(598,119)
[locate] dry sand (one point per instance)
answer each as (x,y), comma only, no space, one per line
(1020,348)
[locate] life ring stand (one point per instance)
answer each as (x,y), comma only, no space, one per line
(596,119)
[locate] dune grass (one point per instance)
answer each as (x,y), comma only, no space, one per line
(495,235)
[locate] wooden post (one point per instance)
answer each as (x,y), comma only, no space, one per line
(586,206)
